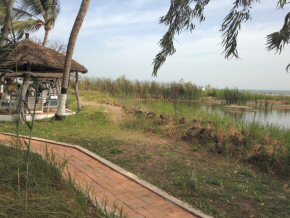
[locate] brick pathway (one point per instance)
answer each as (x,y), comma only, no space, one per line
(111,185)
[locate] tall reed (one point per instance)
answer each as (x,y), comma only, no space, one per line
(123,87)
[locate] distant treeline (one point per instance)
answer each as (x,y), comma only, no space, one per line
(174,90)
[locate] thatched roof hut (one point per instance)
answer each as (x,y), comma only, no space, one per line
(42,61)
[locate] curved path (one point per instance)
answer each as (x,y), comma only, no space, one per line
(108,184)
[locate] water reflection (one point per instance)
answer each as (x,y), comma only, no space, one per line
(279,118)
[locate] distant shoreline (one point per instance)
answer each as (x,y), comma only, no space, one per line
(271,92)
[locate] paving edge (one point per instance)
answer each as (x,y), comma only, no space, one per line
(124,172)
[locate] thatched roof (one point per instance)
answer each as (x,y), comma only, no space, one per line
(41,59)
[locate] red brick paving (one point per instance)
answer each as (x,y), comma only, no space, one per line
(107,185)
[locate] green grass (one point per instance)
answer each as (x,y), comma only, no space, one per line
(225,187)
(49,195)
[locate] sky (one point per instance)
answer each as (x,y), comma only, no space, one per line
(121,38)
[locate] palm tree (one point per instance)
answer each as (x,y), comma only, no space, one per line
(31,15)
(69,53)
(6,7)
(2,12)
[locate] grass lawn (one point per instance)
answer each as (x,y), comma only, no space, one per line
(224,187)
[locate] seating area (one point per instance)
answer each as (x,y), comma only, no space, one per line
(8,105)
(47,100)
(22,67)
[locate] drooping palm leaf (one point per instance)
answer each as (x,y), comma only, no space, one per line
(33,6)
(21,13)
(30,25)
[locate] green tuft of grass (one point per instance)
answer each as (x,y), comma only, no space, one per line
(116,151)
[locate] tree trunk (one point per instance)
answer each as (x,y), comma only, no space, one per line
(77,92)
(7,23)
(45,38)
(69,53)
(22,98)
(58,87)
(67,102)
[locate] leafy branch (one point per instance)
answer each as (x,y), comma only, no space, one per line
(179,17)
(182,14)
(231,26)
(277,40)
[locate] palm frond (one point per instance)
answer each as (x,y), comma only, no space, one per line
(20,13)
(30,25)
(52,8)
(33,6)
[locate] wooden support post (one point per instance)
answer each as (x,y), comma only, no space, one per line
(10,105)
(48,106)
(1,86)
(77,92)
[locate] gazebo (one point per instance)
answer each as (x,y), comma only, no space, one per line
(43,63)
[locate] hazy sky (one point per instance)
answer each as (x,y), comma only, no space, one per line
(121,37)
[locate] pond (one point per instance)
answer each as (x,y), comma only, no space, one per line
(278,118)
(271,116)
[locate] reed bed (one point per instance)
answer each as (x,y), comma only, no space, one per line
(122,87)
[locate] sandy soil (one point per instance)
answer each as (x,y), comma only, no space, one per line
(116,112)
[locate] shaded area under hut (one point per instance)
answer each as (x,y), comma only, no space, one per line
(27,62)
